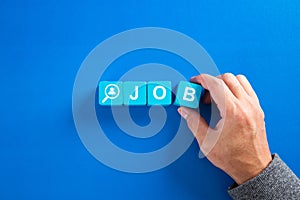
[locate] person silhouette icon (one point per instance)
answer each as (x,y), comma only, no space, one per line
(112,91)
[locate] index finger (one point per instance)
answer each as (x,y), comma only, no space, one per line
(218,90)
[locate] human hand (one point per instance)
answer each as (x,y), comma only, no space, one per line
(238,144)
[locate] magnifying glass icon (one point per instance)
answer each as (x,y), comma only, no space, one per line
(111,91)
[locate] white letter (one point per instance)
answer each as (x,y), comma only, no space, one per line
(163,94)
(189,92)
(136,91)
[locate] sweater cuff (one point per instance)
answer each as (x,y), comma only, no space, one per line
(277,181)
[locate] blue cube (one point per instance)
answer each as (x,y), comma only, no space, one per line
(110,93)
(159,93)
(188,94)
(135,93)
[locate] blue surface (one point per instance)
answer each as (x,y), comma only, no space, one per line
(42,45)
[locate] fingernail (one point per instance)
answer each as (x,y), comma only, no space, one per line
(183,113)
(193,77)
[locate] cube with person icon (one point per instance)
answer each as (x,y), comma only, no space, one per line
(110,93)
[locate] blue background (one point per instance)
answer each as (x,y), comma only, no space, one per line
(42,45)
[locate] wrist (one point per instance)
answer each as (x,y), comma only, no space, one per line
(248,172)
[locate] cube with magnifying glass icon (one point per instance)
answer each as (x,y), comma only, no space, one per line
(110,93)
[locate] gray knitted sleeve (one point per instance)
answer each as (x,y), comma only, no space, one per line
(277,181)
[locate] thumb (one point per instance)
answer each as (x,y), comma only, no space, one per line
(195,122)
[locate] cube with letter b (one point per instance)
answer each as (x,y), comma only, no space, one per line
(188,94)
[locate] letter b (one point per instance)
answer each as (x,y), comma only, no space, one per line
(188,94)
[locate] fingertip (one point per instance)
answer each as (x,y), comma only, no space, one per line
(199,80)
(179,110)
(183,113)
(198,76)
(193,77)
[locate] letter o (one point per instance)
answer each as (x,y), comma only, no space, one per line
(163,94)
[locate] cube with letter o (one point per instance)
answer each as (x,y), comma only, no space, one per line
(159,93)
